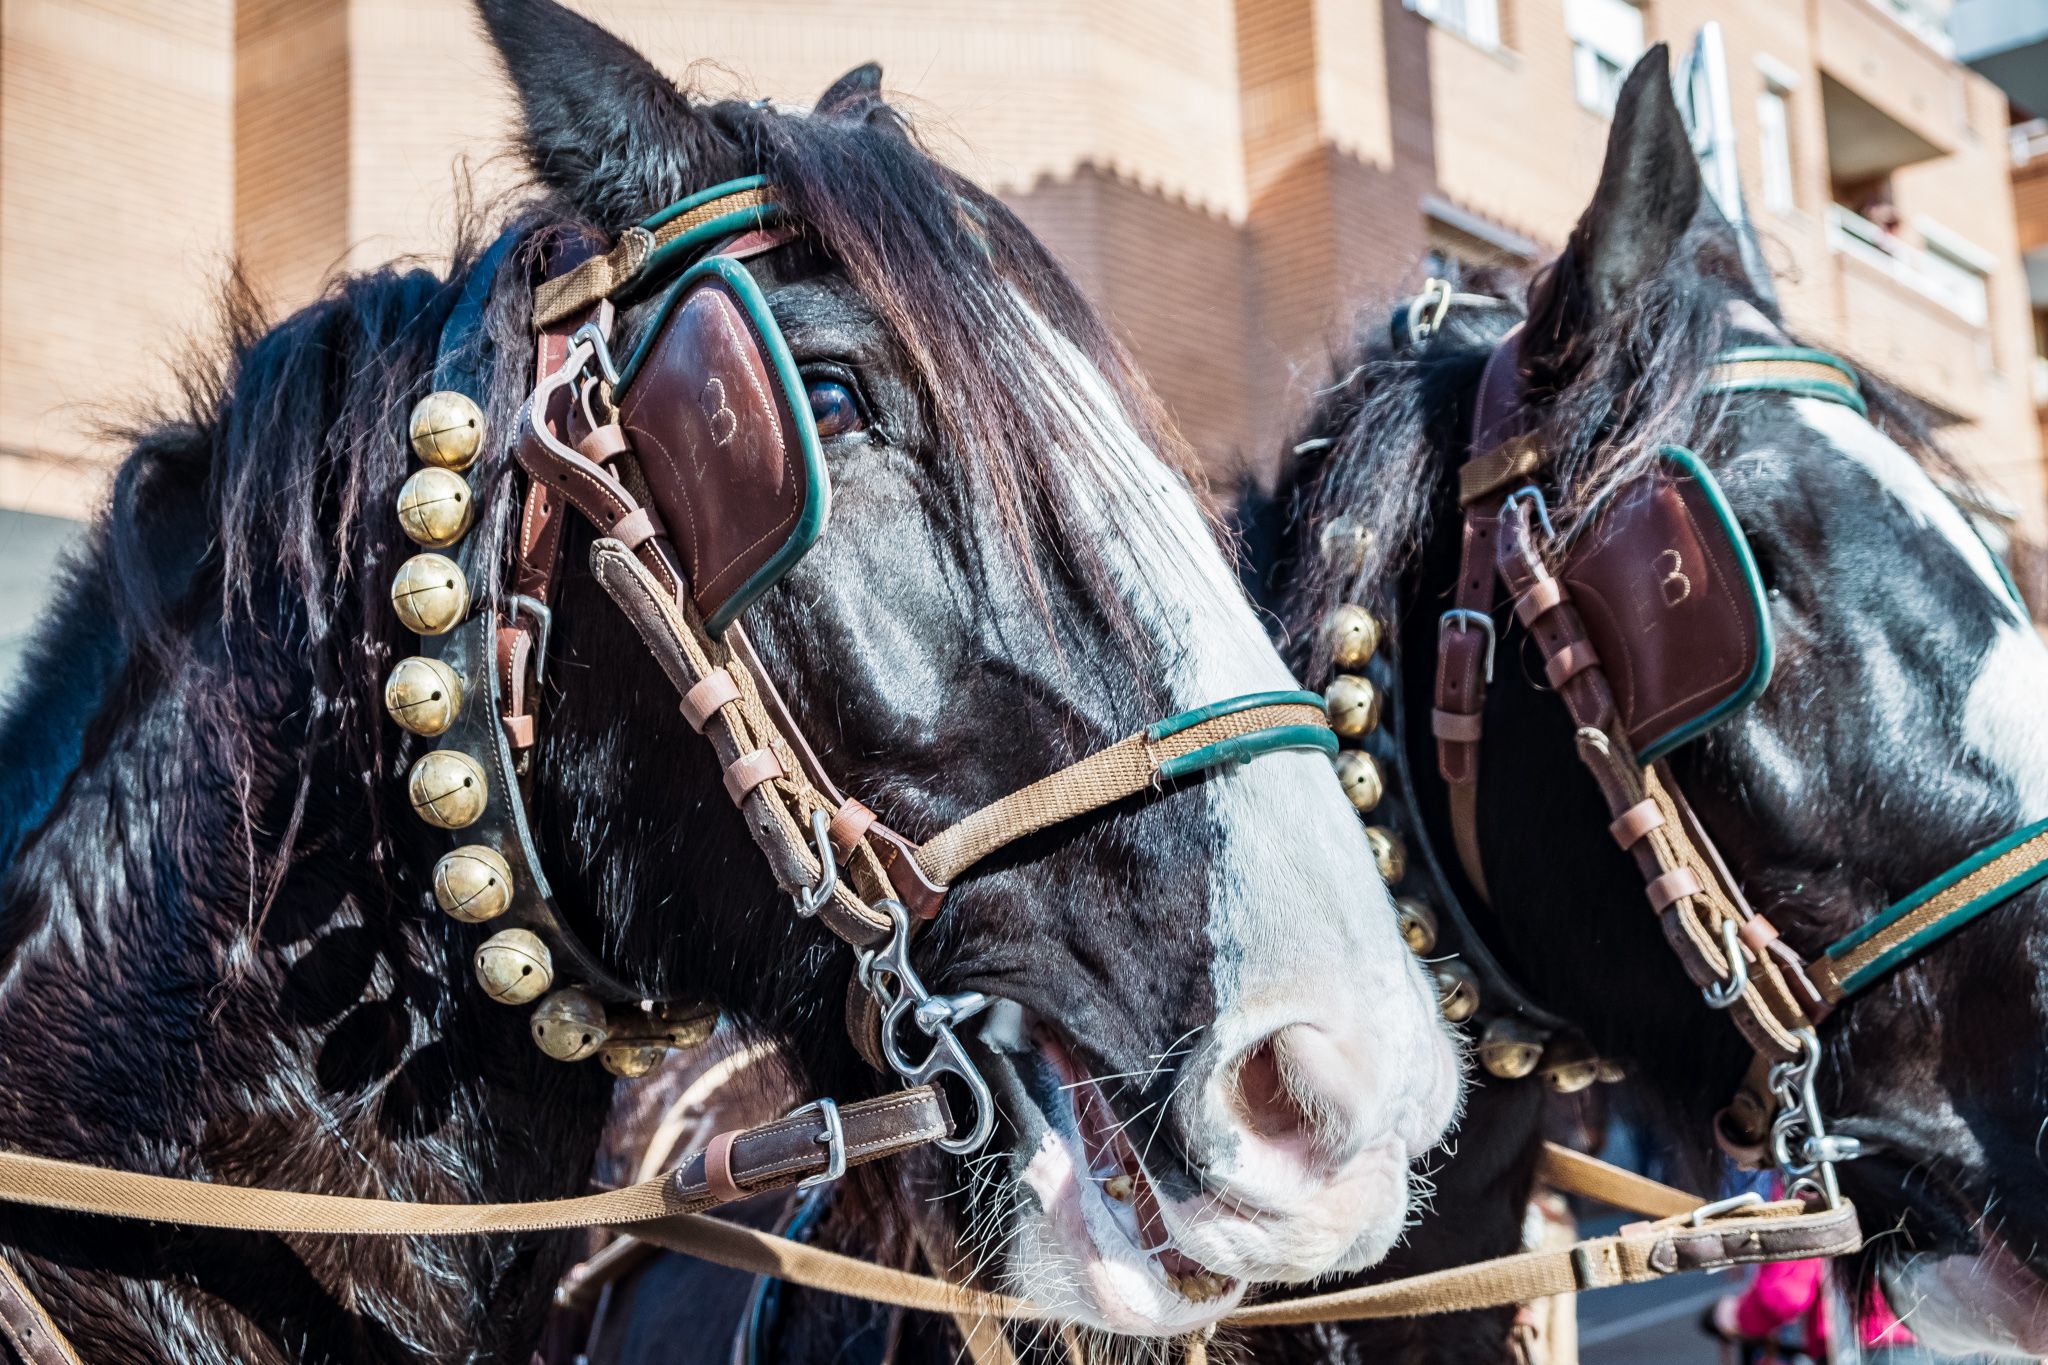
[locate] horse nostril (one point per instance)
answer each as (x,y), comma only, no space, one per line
(1283,1092)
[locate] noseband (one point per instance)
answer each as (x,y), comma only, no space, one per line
(700,468)
(1653,627)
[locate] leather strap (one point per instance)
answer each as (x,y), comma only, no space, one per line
(767,1157)
(27,1325)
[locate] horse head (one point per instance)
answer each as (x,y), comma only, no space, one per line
(1212,1060)
(1881,736)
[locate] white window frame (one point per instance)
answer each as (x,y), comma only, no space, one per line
(1607,38)
(1774,148)
(1476,21)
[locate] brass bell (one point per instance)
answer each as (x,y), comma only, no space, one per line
(423,695)
(1353,635)
(1569,1066)
(1359,775)
(430,594)
(447,789)
(1389,854)
(1509,1048)
(1346,543)
(1457,990)
(473,883)
(1418,924)
(569,1025)
(434,506)
(631,1060)
(447,429)
(514,966)
(1610,1072)
(1354,705)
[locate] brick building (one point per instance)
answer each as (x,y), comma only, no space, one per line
(1232,179)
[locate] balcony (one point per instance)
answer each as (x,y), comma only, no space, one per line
(1916,314)
(1890,98)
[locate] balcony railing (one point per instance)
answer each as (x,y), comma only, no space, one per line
(2029,141)
(1927,22)
(1955,287)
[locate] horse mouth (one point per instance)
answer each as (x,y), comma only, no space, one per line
(1101,1228)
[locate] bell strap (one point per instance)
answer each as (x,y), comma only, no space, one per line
(1192,742)
(1981,882)
(767,1157)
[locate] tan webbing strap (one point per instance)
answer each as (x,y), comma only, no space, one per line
(1757,372)
(1498,469)
(767,1157)
(1639,1253)
(602,276)
(1109,775)
(26,1324)
(1576,1173)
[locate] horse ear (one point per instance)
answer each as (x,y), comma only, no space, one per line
(604,128)
(1650,188)
(858,87)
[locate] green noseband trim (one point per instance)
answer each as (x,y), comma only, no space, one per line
(1799,371)
(1979,883)
(1241,747)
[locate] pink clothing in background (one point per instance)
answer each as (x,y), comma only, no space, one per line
(1785,1290)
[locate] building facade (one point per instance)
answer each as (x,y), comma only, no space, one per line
(1237,182)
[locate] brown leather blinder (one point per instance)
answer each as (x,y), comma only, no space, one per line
(1668,590)
(718,416)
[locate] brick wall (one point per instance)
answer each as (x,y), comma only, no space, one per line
(1240,183)
(115,145)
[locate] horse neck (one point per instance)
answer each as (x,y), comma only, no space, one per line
(181,998)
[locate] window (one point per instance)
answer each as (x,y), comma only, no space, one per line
(1607,37)
(1477,20)
(1774,128)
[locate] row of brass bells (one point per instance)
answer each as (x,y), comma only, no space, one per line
(447,788)
(1510,1047)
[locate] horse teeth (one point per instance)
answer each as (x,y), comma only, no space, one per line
(1120,1188)
(1203,1287)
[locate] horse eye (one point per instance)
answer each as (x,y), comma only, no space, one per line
(834,409)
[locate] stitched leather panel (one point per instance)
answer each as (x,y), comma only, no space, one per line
(1659,589)
(717,443)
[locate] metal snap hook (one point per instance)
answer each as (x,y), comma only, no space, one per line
(600,348)
(811,899)
(1722,994)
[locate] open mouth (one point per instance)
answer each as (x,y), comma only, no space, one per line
(1098,1199)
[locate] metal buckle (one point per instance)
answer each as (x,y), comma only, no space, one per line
(1535,495)
(600,350)
(811,899)
(886,974)
(1722,994)
(1467,619)
(833,1139)
(1435,299)
(538,610)
(1748,1199)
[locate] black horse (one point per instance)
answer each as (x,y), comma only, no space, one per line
(1899,732)
(1897,735)
(219,955)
